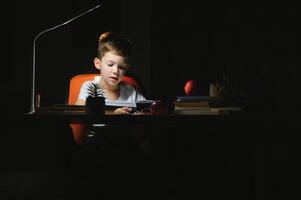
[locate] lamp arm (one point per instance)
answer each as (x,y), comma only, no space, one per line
(32,100)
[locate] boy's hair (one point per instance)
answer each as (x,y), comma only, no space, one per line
(116,43)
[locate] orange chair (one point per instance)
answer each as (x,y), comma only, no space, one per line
(75,84)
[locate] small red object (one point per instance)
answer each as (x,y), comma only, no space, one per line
(158,108)
(192,87)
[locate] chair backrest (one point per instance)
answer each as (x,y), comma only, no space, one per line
(77,81)
(79,130)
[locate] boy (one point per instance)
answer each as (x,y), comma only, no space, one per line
(113,60)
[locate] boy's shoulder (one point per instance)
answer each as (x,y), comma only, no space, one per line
(126,85)
(86,84)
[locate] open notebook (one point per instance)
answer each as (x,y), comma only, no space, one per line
(109,105)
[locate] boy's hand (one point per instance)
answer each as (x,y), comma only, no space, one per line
(123,110)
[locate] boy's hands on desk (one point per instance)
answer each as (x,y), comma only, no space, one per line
(156,108)
(126,111)
(122,110)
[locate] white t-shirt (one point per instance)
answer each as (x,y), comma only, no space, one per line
(128,94)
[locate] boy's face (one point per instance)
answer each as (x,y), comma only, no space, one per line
(112,68)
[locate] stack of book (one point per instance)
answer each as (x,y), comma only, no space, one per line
(193,105)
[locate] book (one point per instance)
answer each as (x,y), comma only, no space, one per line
(120,104)
(191,105)
(199,105)
(207,111)
(191,102)
(192,98)
(139,105)
(196,112)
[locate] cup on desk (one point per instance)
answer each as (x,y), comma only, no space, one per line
(215,90)
(158,107)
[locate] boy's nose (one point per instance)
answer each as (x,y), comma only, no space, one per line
(115,69)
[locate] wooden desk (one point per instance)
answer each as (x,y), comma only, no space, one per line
(80,116)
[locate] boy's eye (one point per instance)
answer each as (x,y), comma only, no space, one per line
(122,67)
(110,64)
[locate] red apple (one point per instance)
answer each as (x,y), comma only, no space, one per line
(192,87)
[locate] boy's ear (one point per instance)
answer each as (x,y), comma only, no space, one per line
(97,63)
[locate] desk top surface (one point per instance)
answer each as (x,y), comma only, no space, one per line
(83,117)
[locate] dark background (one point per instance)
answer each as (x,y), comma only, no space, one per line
(255,43)
(253,156)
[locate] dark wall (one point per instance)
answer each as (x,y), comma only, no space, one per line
(6,17)
(255,43)
(60,53)
(136,24)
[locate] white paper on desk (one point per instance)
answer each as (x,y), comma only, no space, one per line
(121,104)
(128,104)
